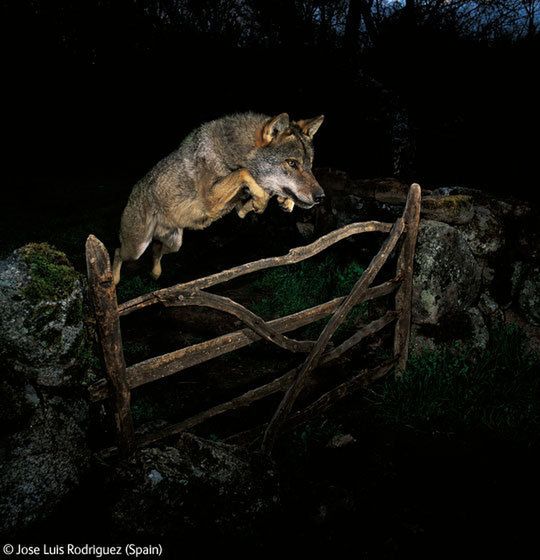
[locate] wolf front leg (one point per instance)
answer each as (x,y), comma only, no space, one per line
(228,188)
(244,208)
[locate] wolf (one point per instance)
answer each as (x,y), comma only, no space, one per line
(237,162)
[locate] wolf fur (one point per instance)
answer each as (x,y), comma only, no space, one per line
(211,173)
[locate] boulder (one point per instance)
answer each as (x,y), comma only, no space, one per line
(306,229)
(447,277)
(167,492)
(529,294)
(526,238)
(484,233)
(490,310)
(348,209)
(518,272)
(43,350)
(41,311)
(43,461)
(466,329)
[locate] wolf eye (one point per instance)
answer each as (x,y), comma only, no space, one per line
(292,163)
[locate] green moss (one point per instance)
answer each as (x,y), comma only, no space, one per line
(51,275)
(451,201)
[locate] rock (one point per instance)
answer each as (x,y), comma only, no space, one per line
(451,209)
(41,309)
(347,210)
(479,333)
(526,290)
(530,332)
(333,180)
(341,440)
(485,233)
(446,274)
(390,191)
(522,210)
(500,207)
(199,485)
(43,462)
(422,340)
(526,237)
(479,197)
(43,418)
(518,273)
(490,309)
(306,229)
(466,329)
(529,295)
(488,272)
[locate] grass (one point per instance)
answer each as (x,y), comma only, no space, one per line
(453,390)
(288,289)
(135,286)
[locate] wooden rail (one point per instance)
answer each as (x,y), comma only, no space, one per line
(120,380)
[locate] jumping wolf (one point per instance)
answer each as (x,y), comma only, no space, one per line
(211,173)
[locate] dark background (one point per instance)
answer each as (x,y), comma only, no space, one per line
(96,92)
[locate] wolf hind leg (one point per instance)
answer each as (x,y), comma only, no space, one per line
(169,243)
(116,267)
(129,250)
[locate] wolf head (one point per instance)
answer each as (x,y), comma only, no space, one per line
(282,160)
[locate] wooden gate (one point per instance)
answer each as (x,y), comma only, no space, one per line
(119,380)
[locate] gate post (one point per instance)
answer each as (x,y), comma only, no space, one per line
(103,295)
(403,299)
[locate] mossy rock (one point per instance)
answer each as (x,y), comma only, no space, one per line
(43,362)
(41,314)
(51,276)
(484,233)
(451,209)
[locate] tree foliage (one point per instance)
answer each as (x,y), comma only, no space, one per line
(93,30)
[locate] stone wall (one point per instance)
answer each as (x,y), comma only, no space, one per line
(477,260)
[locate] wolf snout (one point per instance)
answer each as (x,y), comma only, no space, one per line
(319,197)
(317,194)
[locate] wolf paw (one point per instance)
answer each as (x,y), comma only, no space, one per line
(260,203)
(155,273)
(244,210)
(286,204)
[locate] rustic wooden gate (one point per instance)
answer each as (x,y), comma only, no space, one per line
(120,380)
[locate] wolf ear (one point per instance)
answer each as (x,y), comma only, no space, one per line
(310,126)
(274,127)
